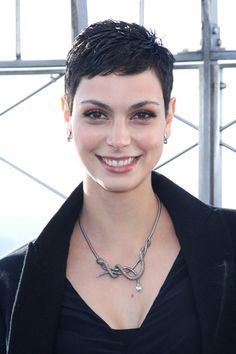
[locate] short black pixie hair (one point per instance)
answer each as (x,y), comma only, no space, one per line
(117,47)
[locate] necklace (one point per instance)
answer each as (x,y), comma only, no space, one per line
(131,273)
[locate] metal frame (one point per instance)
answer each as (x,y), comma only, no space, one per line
(210,73)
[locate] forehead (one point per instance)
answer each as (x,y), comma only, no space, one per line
(145,85)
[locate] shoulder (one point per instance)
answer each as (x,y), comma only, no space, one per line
(229,218)
(12,262)
(10,271)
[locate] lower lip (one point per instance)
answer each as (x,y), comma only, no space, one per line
(119,169)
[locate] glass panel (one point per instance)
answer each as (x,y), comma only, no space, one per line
(15,88)
(25,207)
(36,138)
(7,29)
(178,23)
(226,20)
(178,32)
(228,95)
(45,29)
(228,137)
(99,10)
(229,177)
(184,170)
(33,139)
(186,91)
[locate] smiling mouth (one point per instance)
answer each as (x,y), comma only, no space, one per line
(121,162)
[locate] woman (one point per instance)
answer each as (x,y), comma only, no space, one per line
(131,263)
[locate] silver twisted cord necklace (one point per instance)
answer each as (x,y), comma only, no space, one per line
(130,273)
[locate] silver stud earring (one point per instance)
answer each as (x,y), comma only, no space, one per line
(69,135)
(165,139)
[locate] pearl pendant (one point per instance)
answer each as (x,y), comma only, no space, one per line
(138,286)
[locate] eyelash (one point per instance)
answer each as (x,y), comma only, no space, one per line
(95,115)
(100,115)
(144,115)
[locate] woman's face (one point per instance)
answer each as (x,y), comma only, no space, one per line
(118,125)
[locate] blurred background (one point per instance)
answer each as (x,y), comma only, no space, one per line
(39,169)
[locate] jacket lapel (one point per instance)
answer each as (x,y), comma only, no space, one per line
(207,249)
(40,291)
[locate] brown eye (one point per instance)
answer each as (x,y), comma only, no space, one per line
(143,115)
(95,115)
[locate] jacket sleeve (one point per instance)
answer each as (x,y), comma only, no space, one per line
(10,270)
(2,336)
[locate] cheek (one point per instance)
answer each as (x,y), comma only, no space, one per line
(85,138)
(151,141)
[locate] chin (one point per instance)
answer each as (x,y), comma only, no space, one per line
(117,189)
(112,187)
(120,186)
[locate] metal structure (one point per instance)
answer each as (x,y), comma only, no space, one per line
(210,73)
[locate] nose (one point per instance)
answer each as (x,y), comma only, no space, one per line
(118,134)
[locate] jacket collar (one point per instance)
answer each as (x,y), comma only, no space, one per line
(205,245)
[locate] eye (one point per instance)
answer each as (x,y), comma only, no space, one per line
(95,115)
(143,115)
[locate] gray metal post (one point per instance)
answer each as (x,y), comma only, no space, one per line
(141,12)
(79,16)
(18,41)
(209,125)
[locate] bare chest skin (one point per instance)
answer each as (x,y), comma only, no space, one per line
(115,300)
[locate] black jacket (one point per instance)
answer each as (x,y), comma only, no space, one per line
(32,278)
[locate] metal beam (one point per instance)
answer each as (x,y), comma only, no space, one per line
(26,67)
(223,55)
(141,12)
(231,148)
(79,16)
(188,56)
(35,179)
(176,156)
(31,63)
(18,31)
(52,81)
(209,125)
(36,71)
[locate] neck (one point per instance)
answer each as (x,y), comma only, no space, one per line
(114,219)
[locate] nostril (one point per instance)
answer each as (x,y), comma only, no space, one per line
(119,137)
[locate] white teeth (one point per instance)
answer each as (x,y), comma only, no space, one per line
(119,163)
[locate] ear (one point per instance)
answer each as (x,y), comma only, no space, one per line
(65,109)
(170,116)
(67,117)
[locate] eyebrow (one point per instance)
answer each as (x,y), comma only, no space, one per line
(143,103)
(97,103)
(133,106)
